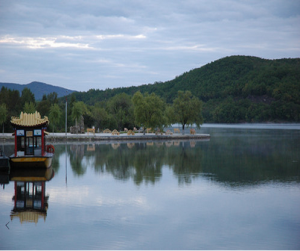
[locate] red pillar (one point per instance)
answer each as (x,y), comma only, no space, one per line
(43,196)
(15,194)
(16,147)
(43,142)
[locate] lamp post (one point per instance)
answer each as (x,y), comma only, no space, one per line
(66,117)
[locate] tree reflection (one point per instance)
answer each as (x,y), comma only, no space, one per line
(148,162)
(232,160)
(185,162)
(118,163)
(59,150)
(76,153)
(143,162)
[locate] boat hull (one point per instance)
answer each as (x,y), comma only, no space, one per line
(31,174)
(43,162)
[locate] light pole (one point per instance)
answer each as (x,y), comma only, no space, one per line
(66,117)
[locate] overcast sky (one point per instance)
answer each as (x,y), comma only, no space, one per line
(95,44)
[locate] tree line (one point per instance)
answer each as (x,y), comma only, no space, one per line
(118,112)
(233,89)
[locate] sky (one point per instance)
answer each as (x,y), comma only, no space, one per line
(82,45)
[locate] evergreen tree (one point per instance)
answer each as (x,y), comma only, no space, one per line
(3,115)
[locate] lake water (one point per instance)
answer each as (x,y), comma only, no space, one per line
(238,190)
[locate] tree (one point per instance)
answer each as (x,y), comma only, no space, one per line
(79,109)
(27,97)
(170,115)
(3,115)
(29,107)
(55,114)
(121,109)
(52,97)
(148,110)
(43,107)
(4,95)
(13,103)
(187,109)
(100,115)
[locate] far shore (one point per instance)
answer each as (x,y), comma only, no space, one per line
(60,137)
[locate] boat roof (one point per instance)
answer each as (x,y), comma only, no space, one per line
(29,120)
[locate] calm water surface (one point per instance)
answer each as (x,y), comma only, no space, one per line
(238,190)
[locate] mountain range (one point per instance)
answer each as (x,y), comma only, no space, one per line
(38,89)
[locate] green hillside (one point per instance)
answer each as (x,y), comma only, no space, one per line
(233,89)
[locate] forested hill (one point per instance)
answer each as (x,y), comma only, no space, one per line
(233,89)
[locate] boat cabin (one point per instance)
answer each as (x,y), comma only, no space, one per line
(30,144)
(30,130)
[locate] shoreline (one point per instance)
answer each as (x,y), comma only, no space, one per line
(61,137)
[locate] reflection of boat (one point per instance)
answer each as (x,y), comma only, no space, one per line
(30,143)
(4,162)
(30,201)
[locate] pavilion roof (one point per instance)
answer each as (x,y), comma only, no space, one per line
(29,120)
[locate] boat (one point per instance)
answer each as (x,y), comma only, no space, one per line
(30,141)
(30,199)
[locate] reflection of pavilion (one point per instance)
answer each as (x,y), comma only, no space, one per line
(158,144)
(115,145)
(30,201)
(192,143)
(170,143)
(91,148)
(130,145)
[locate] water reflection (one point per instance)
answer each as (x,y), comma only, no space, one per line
(130,196)
(233,161)
(76,153)
(30,199)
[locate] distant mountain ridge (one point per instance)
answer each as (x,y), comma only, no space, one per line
(38,89)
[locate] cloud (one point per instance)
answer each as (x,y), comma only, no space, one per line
(80,44)
(41,42)
(120,36)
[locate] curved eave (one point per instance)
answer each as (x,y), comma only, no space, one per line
(29,120)
(20,125)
